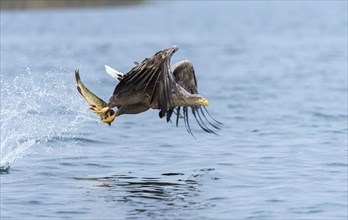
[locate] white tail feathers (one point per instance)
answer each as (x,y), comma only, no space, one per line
(114,73)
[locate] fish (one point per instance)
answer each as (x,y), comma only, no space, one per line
(97,105)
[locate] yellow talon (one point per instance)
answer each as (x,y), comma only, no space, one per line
(108,117)
(99,110)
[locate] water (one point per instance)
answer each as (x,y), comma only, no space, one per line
(275,74)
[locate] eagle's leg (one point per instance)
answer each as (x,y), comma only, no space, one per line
(108,117)
(107,114)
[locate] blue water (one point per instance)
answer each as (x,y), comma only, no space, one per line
(275,74)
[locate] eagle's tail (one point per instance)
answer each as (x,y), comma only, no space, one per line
(114,73)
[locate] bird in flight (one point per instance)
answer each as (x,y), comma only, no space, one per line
(154,83)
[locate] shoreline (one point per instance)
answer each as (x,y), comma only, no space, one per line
(61,4)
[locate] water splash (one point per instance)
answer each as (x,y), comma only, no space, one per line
(36,109)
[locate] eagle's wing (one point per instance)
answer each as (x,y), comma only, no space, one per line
(184,75)
(152,77)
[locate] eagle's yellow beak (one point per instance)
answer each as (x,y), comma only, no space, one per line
(203,101)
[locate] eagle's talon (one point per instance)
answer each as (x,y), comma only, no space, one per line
(108,117)
(99,110)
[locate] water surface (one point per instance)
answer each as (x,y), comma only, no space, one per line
(275,74)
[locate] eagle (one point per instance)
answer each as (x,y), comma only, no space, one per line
(154,83)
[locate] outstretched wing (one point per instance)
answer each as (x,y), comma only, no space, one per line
(184,75)
(152,77)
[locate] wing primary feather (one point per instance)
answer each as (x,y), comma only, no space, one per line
(141,81)
(185,119)
(164,92)
(187,123)
(169,114)
(167,90)
(148,82)
(134,75)
(154,89)
(136,71)
(212,124)
(177,116)
(147,75)
(160,100)
(200,121)
(206,110)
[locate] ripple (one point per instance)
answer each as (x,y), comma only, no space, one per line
(305,210)
(148,193)
(275,200)
(71,212)
(207,169)
(80,140)
(218,198)
(226,164)
(172,174)
(328,116)
(336,164)
(34,202)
